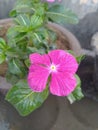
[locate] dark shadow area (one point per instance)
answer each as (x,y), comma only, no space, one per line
(41,119)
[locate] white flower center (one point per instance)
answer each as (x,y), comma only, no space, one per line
(53,68)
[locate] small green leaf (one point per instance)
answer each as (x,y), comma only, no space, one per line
(40,10)
(32,49)
(24,99)
(80,58)
(15,35)
(60,14)
(16,67)
(13,13)
(11,78)
(21,28)
(71,52)
(71,98)
(24,3)
(77,93)
(2,43)
(21,9)
(23,20)
(27,62)
(2,58)
(36,21)
(11,34)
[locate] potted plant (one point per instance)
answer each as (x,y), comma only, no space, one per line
(33,63)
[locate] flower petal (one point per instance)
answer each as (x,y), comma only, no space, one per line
(39,59)
(51,0)
(37,77)
(62,84)
(35,58)
(66,61)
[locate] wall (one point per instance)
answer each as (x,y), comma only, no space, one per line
(82,7)
(5,7)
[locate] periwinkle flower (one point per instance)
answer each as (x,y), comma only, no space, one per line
(58,66)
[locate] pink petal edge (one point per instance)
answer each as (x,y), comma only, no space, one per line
(37,78)
(62,84)
(66,61)
(36,58)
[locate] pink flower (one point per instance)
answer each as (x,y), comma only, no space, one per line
(59,65)
(52,0)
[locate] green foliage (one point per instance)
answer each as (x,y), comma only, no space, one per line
(3,49)
(60,14)
(29,34)
(11,78)
(22,6)
(2,58)
(77,93)
(17,67)
(2,44)
(24,99)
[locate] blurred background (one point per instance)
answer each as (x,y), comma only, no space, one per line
(80,7)
(5,7)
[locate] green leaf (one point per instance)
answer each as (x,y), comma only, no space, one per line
(80,58)
(36,21)
(16,67)
(21,9)
(13,13)
(24,6)
(71,98)
(24,99)
(52,35)
(71,52)
(27,62)
(2,58)
(40,10)
(2,43)
(24,2)
(21,28)
(11,34)
(23,20)
(32,49)
(15,35)
(60,14)
(11,78)
(77,93)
